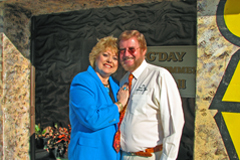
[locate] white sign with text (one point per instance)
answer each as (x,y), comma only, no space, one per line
(180,61)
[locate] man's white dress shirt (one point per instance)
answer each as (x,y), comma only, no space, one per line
(154,114)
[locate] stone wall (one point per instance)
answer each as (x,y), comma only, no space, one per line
(15,102)
(1,89)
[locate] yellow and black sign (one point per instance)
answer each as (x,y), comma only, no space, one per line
(227,97)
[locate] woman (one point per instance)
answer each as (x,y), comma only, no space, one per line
(95,104)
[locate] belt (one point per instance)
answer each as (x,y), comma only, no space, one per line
(148,152)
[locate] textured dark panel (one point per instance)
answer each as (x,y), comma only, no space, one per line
(61,44)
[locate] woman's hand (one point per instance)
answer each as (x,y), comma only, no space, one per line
(122,96)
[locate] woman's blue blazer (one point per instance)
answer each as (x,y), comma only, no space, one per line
(93,117)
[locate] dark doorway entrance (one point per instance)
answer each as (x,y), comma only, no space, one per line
(61,44)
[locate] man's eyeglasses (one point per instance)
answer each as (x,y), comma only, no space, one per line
(131,50)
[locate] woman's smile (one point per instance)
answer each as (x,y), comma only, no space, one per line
(106,63)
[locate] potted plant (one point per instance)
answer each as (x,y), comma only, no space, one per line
(53,139)
(40,138)
(59,138)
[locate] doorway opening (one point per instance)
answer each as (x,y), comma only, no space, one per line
(61,44)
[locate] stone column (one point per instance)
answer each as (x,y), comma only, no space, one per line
(15,84)
(1,90)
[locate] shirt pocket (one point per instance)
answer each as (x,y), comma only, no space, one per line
(138,104)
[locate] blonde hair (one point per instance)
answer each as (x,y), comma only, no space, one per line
(134,33)
(103,45)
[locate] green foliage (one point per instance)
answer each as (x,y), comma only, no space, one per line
(38,131)
(57,138)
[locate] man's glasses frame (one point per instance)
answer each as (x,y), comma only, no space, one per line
(131,50)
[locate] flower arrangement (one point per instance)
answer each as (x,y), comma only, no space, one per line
(56,139)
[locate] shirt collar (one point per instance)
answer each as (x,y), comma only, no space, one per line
(140,69)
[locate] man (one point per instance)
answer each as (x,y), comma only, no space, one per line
(152,125)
